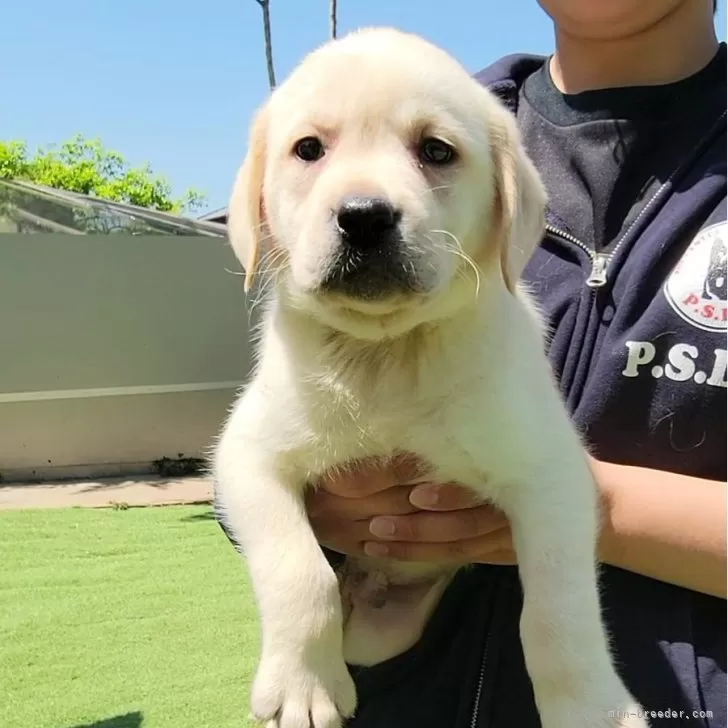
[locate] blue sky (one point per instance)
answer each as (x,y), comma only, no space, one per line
(174,82)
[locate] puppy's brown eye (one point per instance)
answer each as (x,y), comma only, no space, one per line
(309,149)
(435,151)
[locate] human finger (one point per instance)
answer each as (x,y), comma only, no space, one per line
(443,497)
(322,505)
(441,527)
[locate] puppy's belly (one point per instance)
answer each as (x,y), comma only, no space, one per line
(385,612)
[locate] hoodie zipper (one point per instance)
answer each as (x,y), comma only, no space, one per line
(600,262)
(481,680)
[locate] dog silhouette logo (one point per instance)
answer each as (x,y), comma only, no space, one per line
(696,288)
(714,287)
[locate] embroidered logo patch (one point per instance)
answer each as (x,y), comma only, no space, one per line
(696,288)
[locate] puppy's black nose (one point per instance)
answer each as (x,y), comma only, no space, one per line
(366,222)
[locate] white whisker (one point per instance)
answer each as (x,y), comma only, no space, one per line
(460,253)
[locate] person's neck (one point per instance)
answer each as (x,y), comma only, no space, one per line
(679,45)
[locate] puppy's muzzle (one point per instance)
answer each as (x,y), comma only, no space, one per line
(371,261)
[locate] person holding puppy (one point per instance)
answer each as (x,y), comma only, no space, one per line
(626,123)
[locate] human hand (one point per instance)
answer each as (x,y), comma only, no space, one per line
(386,510)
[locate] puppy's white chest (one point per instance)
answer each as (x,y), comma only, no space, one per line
(441,397)
(344,428)
(385,421)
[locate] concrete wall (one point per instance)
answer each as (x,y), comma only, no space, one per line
(115,351)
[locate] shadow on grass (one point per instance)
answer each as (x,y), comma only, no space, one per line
(128,720)
(206,516)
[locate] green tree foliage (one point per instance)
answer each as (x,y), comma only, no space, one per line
(85,166)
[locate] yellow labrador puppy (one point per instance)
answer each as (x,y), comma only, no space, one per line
(388,202)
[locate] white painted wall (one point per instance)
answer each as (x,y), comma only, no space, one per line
(115,350)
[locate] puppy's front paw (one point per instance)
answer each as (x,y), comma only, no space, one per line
(290,694)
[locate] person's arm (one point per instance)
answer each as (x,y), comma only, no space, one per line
(666,526)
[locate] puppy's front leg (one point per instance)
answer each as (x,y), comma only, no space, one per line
(555,526)
(302,679)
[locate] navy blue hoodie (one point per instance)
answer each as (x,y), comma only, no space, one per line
(638,345)
(640,354)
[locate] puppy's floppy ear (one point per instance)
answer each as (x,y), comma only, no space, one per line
(246,215)
(519,199)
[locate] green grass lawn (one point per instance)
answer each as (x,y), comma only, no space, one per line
(138,618)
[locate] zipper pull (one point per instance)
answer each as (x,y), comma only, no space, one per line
(598,276)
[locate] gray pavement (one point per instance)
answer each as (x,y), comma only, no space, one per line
(107,492)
